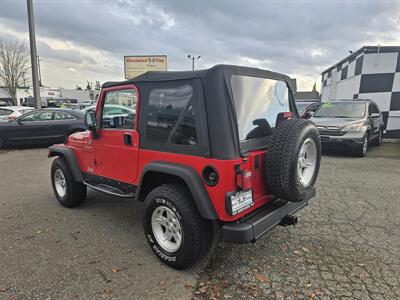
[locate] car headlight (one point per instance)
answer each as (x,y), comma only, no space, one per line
(353,127)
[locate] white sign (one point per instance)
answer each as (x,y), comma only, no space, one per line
(137,65)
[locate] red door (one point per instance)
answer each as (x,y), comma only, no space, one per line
(116,149)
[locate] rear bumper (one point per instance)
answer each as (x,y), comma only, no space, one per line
(261,221)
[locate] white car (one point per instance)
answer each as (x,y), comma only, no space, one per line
(9,113)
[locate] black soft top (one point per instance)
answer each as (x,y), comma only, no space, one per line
(213,90)
(225,70)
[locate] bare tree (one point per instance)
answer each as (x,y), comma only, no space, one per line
(14,64)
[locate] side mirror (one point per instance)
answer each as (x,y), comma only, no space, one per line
(307,115)
(90,121)
(375,115)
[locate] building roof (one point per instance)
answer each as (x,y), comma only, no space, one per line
(365,49)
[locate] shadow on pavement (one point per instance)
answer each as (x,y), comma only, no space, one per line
(386,150)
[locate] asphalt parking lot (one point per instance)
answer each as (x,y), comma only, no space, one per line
(346,245)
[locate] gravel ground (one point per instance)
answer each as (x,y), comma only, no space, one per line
(346,245)
(95,251)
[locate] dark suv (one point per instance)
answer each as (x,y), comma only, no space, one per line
(212,153)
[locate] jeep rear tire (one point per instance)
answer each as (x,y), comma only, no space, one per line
(293,159)
(68,192)
(174,229)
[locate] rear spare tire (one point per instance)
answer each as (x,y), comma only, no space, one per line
(293,159)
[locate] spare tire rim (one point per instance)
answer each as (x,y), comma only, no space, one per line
(166,228)
(307,161)
(60,183)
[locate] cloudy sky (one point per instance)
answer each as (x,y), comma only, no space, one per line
(81,40)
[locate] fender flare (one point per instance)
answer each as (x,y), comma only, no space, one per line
(192,180)
(69,156)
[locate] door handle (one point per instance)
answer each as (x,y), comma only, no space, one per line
(128,139)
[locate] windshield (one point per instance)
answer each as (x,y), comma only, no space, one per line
(341,110)
(257,101)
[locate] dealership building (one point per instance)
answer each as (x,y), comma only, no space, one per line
(372,72)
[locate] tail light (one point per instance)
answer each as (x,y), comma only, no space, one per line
(244,179)
(283,116)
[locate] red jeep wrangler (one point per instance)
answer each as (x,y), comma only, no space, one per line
(212,153)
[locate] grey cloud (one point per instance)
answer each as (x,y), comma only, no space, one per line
(283,33)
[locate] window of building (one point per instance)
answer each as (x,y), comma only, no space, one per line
(359,64)
(344,73)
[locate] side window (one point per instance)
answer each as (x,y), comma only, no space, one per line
(5,112)
(185,133)
(119,110)
(166,108)
(373,108)
(59,115)
(38,116)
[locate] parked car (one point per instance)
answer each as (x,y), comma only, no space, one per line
(212,151)
(113,109)
(355,123)
(307,109)
(6,102)
(9,113)
(116,113)
(43,126)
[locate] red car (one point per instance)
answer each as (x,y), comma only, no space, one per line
(217,153)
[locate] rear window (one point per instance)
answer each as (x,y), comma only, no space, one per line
(167,107)
(257,98)
(23,111)
(5,112)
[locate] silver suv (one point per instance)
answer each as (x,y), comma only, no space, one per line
(356,123)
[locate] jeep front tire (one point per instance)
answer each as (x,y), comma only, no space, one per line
(173,227)
(68,192)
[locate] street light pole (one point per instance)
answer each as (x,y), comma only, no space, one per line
(34,62)
(40,73)
(193,59)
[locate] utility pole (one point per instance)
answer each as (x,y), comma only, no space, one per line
(192,58)
(32,44)
(40,73)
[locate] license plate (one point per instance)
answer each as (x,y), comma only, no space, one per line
(241,201)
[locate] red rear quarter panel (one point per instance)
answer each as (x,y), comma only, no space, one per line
(227,177)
